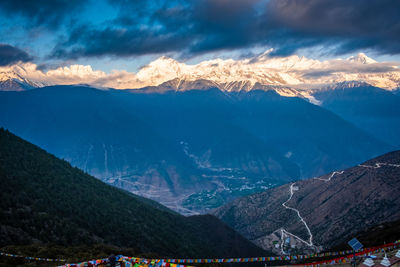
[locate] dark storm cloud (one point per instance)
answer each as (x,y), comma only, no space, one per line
(151,27)
(48,13)
(119,42)
(199,26)
(10,55)
(353,25)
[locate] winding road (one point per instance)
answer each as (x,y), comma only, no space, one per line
(283,231)
(293,188)
(380,164)
(330,177)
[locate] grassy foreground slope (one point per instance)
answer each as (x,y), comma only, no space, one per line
(44,200)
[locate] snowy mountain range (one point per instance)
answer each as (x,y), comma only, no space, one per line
(292,71)
(289,76)
(235,100)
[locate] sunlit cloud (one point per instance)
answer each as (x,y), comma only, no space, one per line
(260,69)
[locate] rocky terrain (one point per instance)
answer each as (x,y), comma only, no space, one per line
(321,212)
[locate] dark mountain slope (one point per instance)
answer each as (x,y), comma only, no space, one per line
(117,141)
(372,109)
(313,138)
(191,150)
(202,123)
(92,131)
(376,235)
(334,207)
(45,200)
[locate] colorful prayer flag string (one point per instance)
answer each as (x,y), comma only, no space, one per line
(143,262)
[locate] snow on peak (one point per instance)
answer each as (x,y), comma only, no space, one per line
(261,69)
(160,70)
(361,58)
(24,73)
(226,74)
(267,70)
(163,60)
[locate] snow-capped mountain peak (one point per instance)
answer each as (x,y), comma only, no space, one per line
(361,58)
(227,74)
(18,78)
(266,70)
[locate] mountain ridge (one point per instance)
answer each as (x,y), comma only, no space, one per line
(45,200)
(370,108)
(322,212)
(218,146)
(231,75)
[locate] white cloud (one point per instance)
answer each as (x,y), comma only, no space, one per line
(263,69)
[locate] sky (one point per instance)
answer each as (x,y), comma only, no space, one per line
(127,34)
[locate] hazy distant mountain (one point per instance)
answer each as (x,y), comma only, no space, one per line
(112,135)
(46,201)
(190,150)
(91,130)
(370,108)
(333,207)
